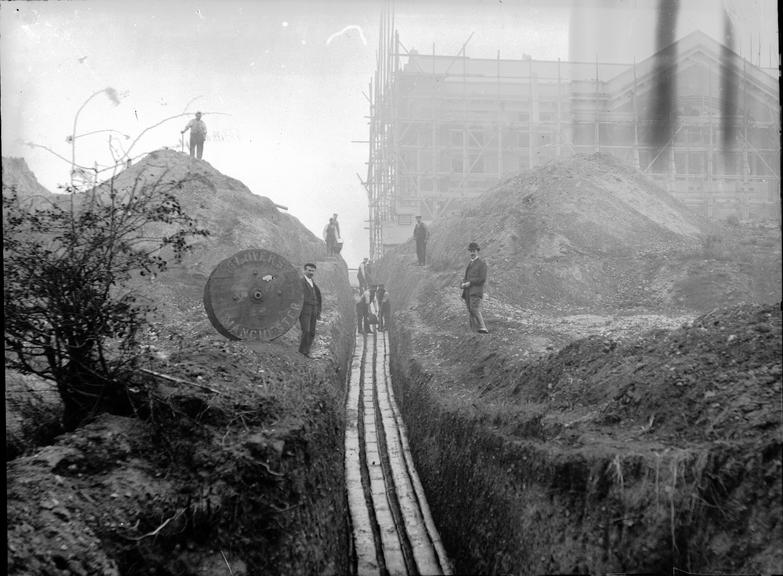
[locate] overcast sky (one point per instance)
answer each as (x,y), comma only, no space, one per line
(281,83)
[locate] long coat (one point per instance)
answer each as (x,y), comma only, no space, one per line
(421,233)
(312,296)
(476,274)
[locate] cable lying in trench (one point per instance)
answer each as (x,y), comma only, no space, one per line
(392,529)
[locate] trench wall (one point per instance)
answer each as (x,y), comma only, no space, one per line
(530,509)
(225,472)
(524,503)
(317,539)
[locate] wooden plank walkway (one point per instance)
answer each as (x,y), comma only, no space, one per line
(392,529)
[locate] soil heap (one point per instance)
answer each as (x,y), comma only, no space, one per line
(233,460)
(594,234)
(623,414)
(17,174)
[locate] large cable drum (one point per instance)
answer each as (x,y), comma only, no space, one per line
(253,295)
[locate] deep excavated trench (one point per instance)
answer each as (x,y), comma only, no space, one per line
(392,529)
(510,489)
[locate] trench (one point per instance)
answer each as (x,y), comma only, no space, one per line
(392,530)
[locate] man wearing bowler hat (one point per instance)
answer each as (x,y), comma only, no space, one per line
(473,288)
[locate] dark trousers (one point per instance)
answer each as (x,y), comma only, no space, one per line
(362,323)
(421,250)
(307,321)
(475,317)
(196,147)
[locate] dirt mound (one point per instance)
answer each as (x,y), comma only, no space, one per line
(233,462)
(623,414)
(245,476)
(716,378)
(643,447)
(656,452)
(584,206)
(17,174)
(236,218)
(592,233)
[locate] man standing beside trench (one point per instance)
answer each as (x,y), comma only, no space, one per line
(311,309)
(473,288)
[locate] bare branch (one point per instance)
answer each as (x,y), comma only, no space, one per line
(159,528)
(178,380)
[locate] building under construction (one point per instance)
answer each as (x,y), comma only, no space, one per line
(447,128)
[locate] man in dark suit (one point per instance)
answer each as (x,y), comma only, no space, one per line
(385,314)
(421,234)
(361,274)
(473,288)
(311,309)
(363,313)
(379,297)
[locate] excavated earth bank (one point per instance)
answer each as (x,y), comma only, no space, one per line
(245,478)
(624,413)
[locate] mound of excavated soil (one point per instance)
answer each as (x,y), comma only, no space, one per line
(659,451)
(606,423)
(584,205)
(590,232)
(236,218)
(17,174)
(717,378)
(233,462)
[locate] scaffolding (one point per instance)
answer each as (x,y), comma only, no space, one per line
(445,128)
(382,165)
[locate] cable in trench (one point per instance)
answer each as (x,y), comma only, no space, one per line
(363,464)
(391,492)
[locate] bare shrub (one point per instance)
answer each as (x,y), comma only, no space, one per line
(71,315)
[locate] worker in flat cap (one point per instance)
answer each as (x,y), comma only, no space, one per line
(473,288)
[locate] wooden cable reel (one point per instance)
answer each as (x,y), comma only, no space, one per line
(253,295)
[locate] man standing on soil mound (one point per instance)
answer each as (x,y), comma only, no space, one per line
(198,133)
(311,309)
(473,288)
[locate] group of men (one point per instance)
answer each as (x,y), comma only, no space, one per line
(374,305)
(373,309)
